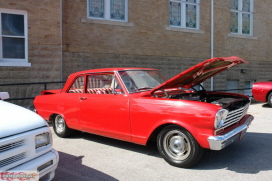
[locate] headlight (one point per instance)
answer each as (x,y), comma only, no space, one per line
(220,118)
(42,140)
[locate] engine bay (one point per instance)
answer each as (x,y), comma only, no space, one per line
(226,101)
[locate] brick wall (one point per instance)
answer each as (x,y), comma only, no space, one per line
(146,35)
(142,42)
(85,61)
(145,41)
(255,50)
(43,48)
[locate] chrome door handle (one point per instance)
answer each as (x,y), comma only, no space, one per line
(83,98)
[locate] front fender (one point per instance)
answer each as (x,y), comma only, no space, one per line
(148,114)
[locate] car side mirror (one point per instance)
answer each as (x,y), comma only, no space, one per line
(4,95)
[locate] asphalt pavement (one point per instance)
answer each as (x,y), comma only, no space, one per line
(88,157)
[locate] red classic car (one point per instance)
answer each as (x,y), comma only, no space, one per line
(138,105)
(262,91)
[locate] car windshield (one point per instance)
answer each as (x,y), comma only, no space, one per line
(141,80)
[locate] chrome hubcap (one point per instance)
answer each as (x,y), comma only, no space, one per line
(59,124)
(177,145)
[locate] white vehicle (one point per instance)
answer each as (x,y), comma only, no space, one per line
(25,143)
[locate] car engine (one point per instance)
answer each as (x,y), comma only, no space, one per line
(226,101)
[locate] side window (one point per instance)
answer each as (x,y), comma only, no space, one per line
(77,86)
(102,83)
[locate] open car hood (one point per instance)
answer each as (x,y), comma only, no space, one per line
(200,72)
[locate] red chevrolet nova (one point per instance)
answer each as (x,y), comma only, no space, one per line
(138,105)
(262,91)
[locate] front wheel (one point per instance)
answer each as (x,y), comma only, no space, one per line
(178,147)
(270,99)
(60,127)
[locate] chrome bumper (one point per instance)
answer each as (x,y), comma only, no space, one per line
(220,142)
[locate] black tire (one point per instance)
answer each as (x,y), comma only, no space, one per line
(178,147)
(60,127)
(270,99)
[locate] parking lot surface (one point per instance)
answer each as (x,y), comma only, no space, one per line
(88,157)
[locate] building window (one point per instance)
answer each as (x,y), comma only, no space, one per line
(232,86)
(241,17)
(184,13)
(248,87)
(113,10)
(13,38)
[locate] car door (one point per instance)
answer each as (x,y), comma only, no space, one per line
(103,108)
(69,102)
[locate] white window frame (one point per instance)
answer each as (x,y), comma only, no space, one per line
(107,11)
(183,14)
(240,18)
(11,61)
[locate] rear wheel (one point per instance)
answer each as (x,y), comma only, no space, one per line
(60,127)
(270,99)
(178,147)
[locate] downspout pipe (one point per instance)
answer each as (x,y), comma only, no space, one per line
(212,36)
(61,78)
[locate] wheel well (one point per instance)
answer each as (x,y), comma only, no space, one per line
(268,94)
(153,136)
(52,117)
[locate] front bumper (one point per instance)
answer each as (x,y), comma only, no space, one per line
(221,141)
(47,172)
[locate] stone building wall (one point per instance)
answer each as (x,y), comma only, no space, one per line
(256,49)
(44,51)
(147,41)
(144,41)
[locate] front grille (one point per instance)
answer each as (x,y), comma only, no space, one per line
(235,116)
(11,145)
(12,159)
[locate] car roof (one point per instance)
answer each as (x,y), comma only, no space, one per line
(111,70)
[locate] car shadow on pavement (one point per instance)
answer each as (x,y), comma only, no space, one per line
(266,105)
(250,155)
(70,168)
(149,149)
